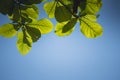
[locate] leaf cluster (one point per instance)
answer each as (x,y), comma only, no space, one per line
(28,29)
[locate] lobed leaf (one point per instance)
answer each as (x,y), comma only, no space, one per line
(7,30)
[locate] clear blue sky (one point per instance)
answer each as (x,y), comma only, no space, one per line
(67,58)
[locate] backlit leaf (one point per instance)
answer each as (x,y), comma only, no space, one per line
(31,11)
(59,29)
(24,43)
(66,2)
(7,30)
(89,28)
(45,26)
(24,13)
(92,6)
(49,7)
(91,17)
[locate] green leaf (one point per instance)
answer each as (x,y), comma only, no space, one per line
(89,27)
(45,26)
(24,13)
(59,29)
(29,2)
(30,10)
(83,4)
(26,37)
(49,8)
(24,43)
(92,6)
(69,25)
(66,2)
(7,30)
(6,6)
(17,26)
(91,17)
(34,33)
(62,13)
(15,16)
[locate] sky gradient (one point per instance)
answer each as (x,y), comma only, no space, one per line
(74,57)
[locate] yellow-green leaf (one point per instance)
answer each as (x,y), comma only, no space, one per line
(49,8)
(24,43)
(93,6)
(90,28)
(7,30)
(45,26)
(30,10)
(66,2)
(27,12)
(59,29)
(91,17)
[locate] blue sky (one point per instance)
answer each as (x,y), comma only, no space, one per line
(67,58)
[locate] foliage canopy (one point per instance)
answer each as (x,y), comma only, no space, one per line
(28,29)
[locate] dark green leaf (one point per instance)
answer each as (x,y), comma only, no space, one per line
(59,29)
(69,25)
(26,37)
(34,33)
(29,2)
(16,16)
(23,14)
(16,26)
(83,4)
(6,6)
(62,13)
